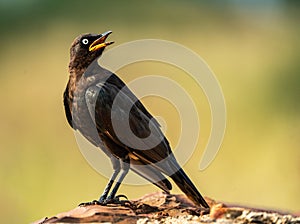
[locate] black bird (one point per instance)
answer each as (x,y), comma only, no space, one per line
(90,106)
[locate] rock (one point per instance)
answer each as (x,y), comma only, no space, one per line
(163,208)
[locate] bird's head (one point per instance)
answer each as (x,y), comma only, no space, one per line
(86,48)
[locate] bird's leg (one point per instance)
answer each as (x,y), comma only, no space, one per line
(102,200)
(125,165)
(116,167)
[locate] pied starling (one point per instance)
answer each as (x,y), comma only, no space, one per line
(95,100)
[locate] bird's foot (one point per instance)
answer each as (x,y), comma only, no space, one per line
(110,200)
(116,200)
(94,202)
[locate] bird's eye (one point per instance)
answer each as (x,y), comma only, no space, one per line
(85,41)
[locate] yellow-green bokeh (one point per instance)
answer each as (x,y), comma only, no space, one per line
(253,49)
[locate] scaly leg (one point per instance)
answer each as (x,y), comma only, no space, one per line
(116,170)
(125,165)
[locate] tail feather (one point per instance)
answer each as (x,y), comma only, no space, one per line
(186,185)
(151,174)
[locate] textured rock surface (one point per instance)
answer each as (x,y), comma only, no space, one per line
(163,208)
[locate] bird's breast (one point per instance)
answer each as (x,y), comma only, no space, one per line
(81,115)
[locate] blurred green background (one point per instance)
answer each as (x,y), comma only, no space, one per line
(253,47)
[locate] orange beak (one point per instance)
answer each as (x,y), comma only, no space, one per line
(100,42)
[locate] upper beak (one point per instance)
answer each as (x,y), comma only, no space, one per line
(100,42)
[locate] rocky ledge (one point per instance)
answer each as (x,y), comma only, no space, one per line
(163,208)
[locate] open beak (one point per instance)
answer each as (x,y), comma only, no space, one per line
(100,42)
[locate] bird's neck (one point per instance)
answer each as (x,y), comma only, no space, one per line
(77,68)
(78,65)
(79,81)
(76,71)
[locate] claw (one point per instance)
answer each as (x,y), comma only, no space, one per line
(94,202)
(116,200)
(121,196)
(102,201)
